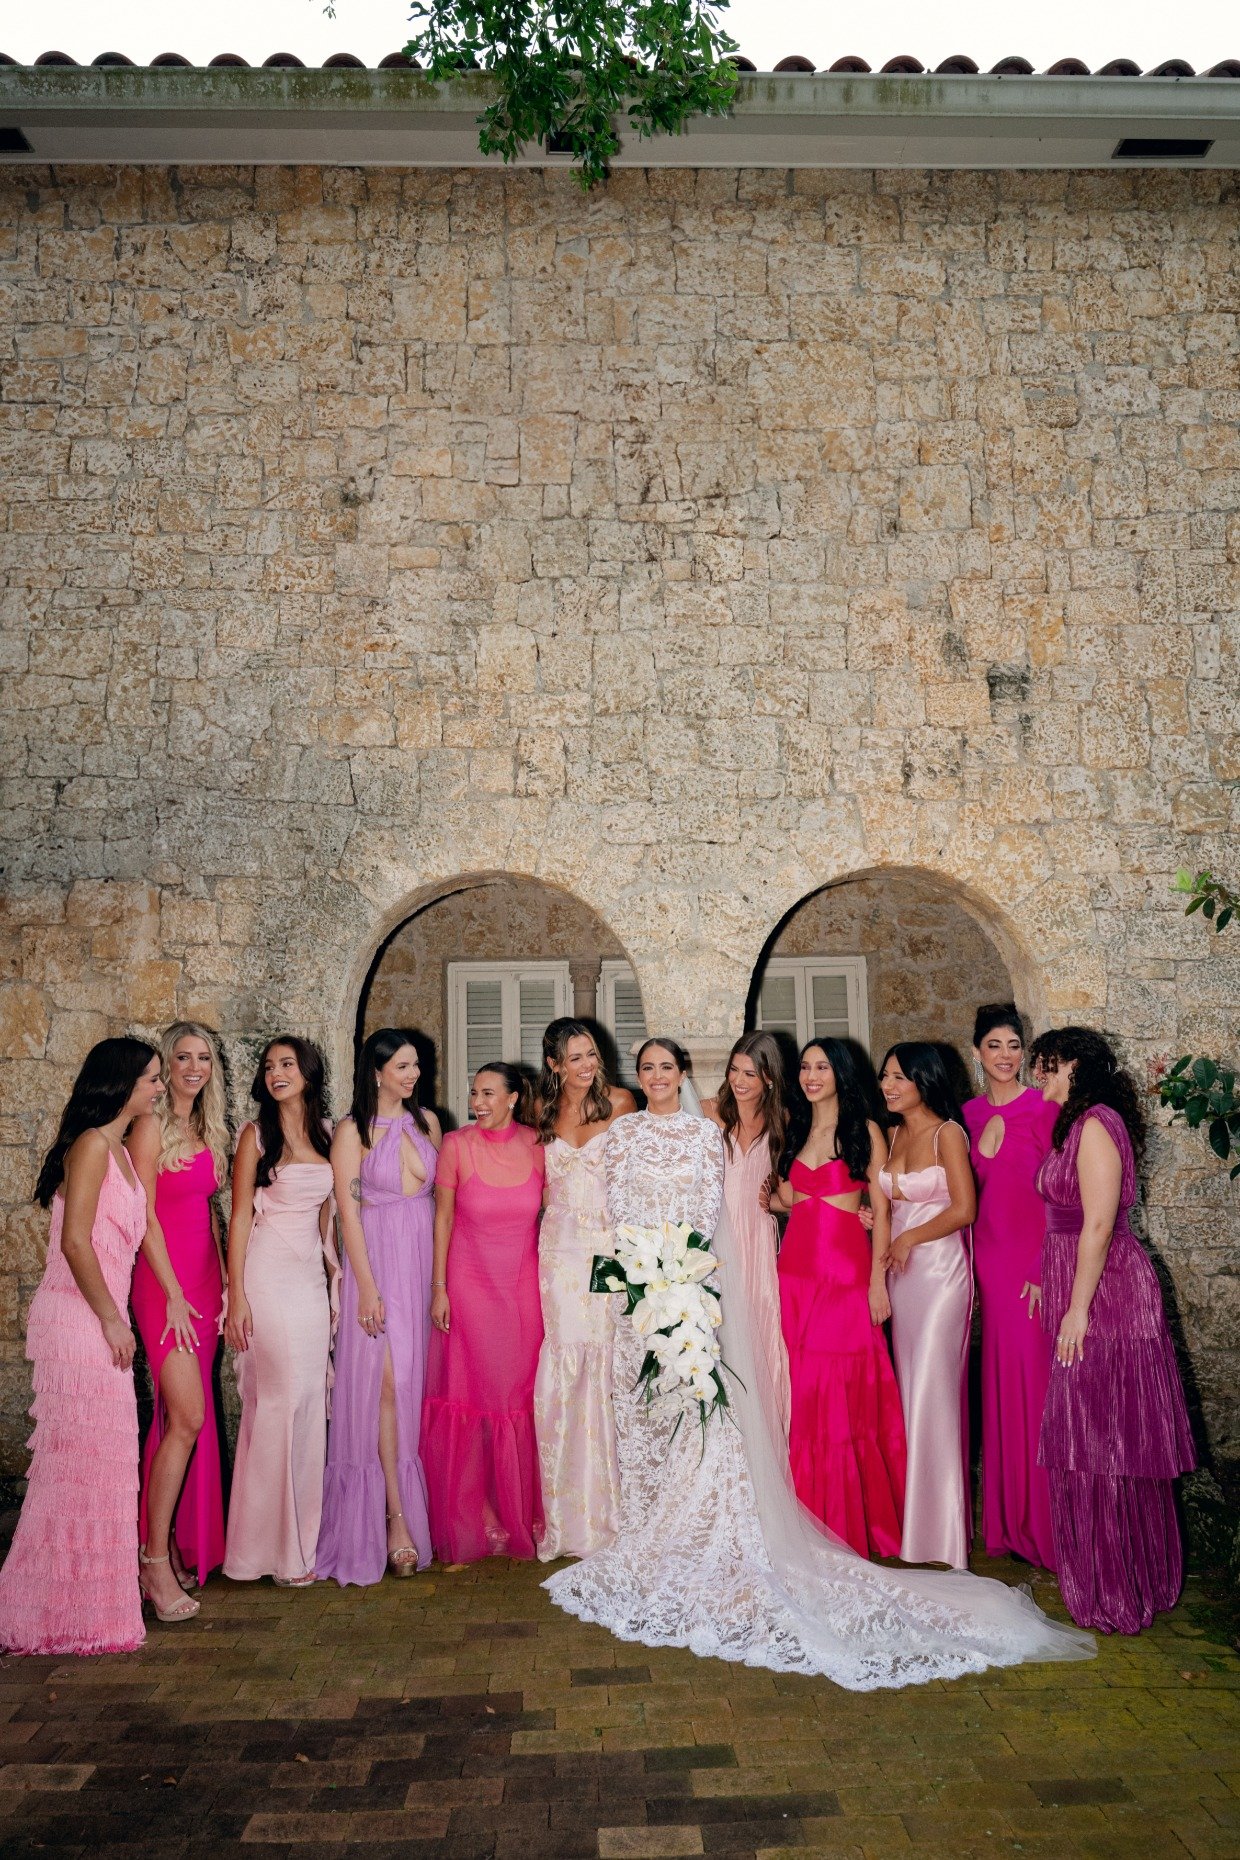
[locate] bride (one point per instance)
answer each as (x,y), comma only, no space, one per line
(714,1551)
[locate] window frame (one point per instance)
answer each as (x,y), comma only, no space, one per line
(611,968)
(803,969)
(509,975)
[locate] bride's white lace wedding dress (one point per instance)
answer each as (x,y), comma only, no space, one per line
(714,1552)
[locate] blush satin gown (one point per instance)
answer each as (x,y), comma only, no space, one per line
(70,1582)
(397,1229)
(846,1444)
(757,1245)
(478,1416)
(183,1206)
(1016,1353)
(931,1305)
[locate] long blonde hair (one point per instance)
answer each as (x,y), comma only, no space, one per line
(207,1123)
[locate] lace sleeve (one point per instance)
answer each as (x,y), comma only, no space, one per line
(710,1184)
(615,1153)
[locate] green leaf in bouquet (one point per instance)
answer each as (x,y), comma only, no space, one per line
(607,1274)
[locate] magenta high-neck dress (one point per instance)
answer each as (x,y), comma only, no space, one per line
(398,1232)
(1115,1434)
(1016,1353)
(478,1417)
(183,1206)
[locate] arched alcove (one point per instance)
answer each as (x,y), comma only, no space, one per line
(482,963)
(887,954)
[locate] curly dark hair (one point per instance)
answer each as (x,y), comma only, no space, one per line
(1098,1079)
(100,1093)
(856,1091)
(313,1103)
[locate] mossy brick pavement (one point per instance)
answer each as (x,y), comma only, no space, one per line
(461,1717)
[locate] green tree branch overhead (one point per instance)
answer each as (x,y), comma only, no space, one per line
(570,73)
(1199,1091)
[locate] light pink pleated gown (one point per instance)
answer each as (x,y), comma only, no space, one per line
(277,1490)
(931,1305)
(70,1584)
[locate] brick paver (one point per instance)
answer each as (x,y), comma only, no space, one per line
(461,1717)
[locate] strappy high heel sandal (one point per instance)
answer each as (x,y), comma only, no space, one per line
(403,1561)
(184,1610)
(188,1581)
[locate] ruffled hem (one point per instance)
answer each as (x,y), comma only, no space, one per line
(1121,1559)
(353,1533)
(482,1480)
(1118,1413)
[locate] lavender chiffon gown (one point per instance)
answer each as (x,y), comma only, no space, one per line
(1115,1434)
(931,1304)
(398,1230)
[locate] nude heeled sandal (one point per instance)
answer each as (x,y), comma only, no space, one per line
(404,1561)
(184,1610)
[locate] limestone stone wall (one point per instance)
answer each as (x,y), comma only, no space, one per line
(928,964)
(688,547)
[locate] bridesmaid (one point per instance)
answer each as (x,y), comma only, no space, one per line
(847,1443)
(1010,1130)
(1115,1435)
(573,1419)
(929,1184)
(281,1262)
(478,1417)
(750,1111)
(181,1154)
(70,1583)
(383,1158)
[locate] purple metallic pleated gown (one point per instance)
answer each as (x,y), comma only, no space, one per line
(398,1230)
(1115,1433)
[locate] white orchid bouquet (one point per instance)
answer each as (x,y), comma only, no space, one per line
(663,1273)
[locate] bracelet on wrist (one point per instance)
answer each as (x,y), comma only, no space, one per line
(439,1285)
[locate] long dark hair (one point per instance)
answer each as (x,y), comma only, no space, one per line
(922,1064)
(768,1063)
(1098,1079)
(100,1093)
(380,1046)
(857,1094)
(313,1103)
(514,1080)
(997,1014)
(595,1106)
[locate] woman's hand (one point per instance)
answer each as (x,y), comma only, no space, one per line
(1070,1342)
(239,1327)
(1034,1294)
(370,1313)
(222,1319)
(180,1312)
(900,1252)
(866,1216)
(334,1282)
(441,1311)
(764,1195)
(120,1340)
(880,1304)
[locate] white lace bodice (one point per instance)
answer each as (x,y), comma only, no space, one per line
(665,1169)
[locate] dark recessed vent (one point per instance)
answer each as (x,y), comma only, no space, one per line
(14,142)
(1162,148)
(556,144)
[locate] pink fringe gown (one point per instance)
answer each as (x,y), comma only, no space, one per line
(1016,1353)
(183,1205)
(847,1445)
(478,1419)
(70,1584)
(1115,1434)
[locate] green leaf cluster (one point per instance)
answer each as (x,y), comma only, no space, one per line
(567,71)
(1200,1092)
(1209,895)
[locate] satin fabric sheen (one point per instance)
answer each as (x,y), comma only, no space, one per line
(757,1243)
(847,1445)
(70,1582)
(1115,1433)
(478,1416)
(931,1304)
(277,1490)
(397,1229)
(183,1207)
(574,1420)
(1016,1352)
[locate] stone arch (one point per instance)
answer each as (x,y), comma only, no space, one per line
(494,916)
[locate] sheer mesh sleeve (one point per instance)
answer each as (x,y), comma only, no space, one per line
(447,1175)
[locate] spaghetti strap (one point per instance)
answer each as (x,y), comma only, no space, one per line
(937,1129)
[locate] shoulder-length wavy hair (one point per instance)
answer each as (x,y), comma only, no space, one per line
(856,1091)
(380,1046)
(768,1062)
(516,1081)
(207,1125)
(1098,1079)
(923,1065)
(314,1105)
(596,1105)
(100,1093)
